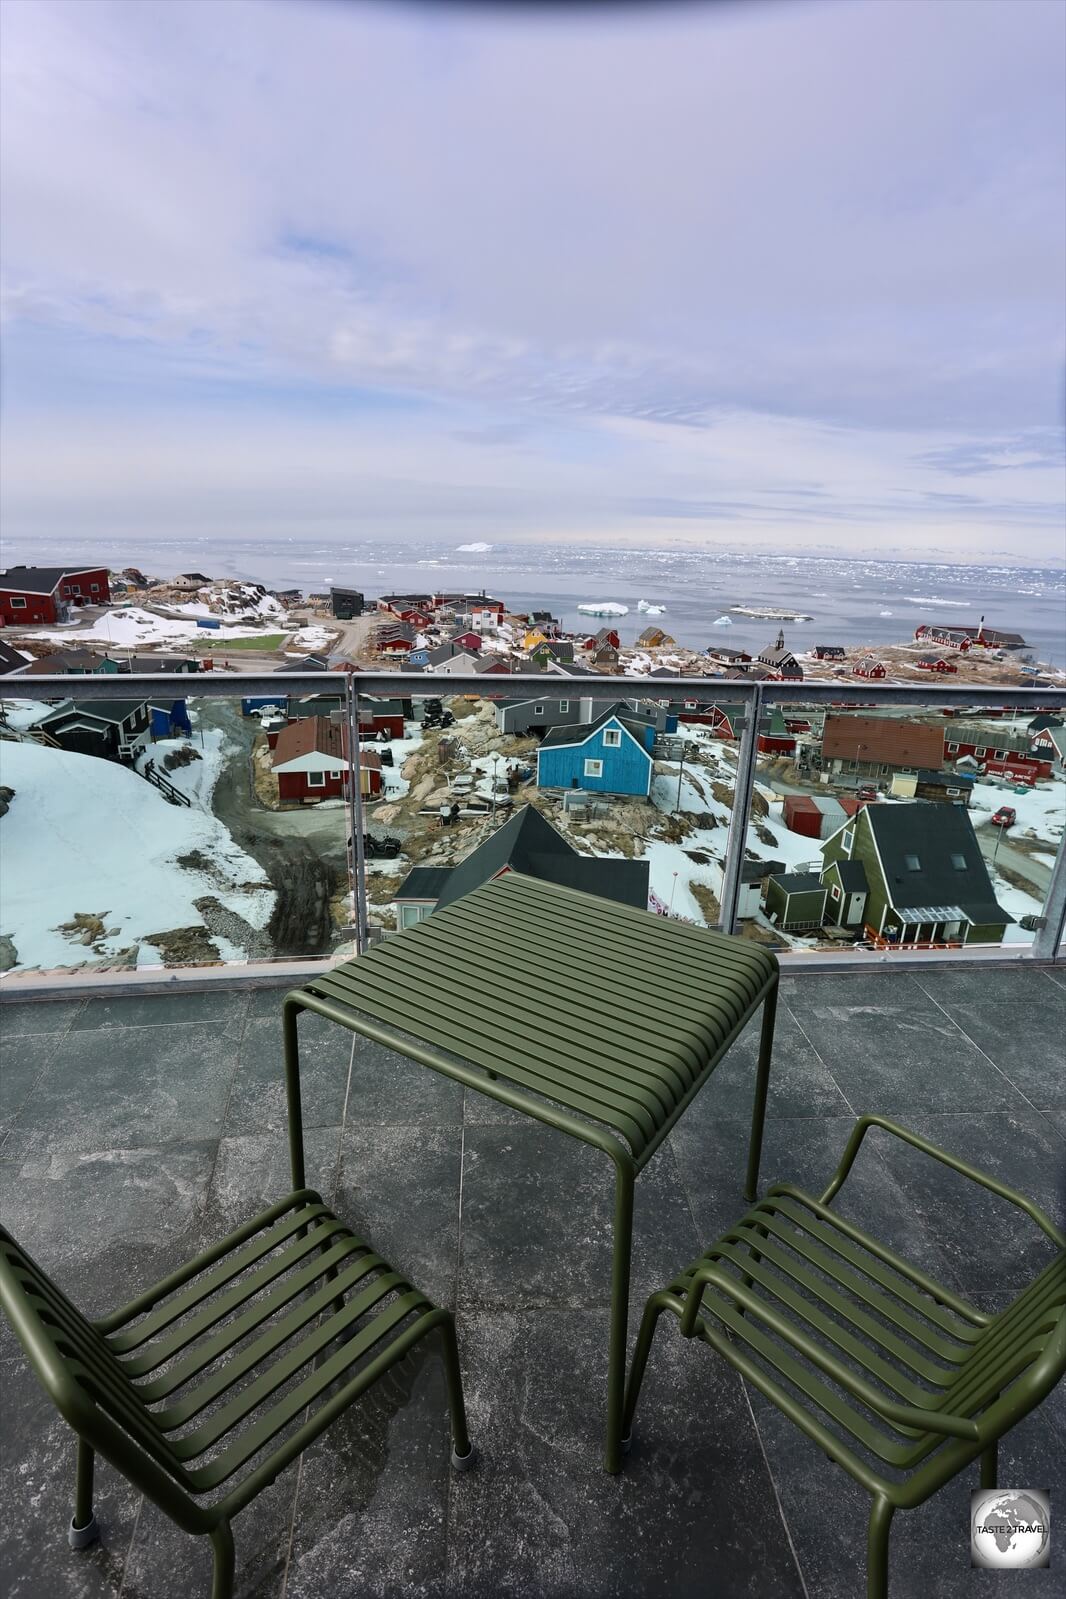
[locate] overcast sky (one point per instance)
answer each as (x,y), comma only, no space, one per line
(732,274)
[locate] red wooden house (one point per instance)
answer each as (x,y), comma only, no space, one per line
(606,635)
(310,762)
(935,663)
(45,593)
(723,720)
(379,718)
(998,754)
(417,619)
(470,641)
(869,666)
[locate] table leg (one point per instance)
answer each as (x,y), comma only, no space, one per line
(290,1010)
(616,1354)
(762,1079)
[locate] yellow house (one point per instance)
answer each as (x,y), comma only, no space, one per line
(533,638)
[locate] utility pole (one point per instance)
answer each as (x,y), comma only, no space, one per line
(680,774)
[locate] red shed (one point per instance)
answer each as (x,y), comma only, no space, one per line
(869,666)
(310,761)
(467,641)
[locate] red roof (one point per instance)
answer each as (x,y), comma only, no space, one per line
(319,735)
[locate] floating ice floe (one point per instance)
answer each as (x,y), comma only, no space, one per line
(722,621)
(604,608)
(473,549)
(884,613)
(649,609)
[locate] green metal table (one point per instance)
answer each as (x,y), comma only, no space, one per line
(595,1018)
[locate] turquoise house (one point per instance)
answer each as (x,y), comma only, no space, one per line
(609,756)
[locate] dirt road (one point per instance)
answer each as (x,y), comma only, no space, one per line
(302,852)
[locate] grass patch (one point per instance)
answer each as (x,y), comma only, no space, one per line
(268,641)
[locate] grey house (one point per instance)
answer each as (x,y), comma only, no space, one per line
(527,843)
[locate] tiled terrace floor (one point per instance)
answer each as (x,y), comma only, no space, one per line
(136,1130)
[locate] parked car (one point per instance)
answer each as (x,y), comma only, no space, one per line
(867,792)
(1006,816)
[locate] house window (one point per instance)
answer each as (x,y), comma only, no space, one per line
(75,588)
(94,588)
(316,779)
(593,768)
(953,791)
(834,889)
(538,710)
(564,705)
(912,863)
(1001,755)
(953,749)
(690,705)
(849,839)
(17,602)
(410,914)
(612,738)
(959,862)
(982,751)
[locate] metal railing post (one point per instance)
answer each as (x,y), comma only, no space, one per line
(1048,939)
(356,854)
(741,813)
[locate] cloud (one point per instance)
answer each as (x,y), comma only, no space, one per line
(513,235)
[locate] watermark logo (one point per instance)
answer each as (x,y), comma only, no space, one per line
(1010,1528)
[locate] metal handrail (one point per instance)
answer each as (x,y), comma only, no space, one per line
(755,697)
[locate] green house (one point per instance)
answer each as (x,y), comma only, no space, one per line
(926,879)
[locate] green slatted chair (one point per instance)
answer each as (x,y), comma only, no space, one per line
(274,1331)
(877,1363)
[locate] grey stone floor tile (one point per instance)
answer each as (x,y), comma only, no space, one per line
(20,1068)
(253,1172)
(804,1152)
(197,1008)
(128,1087)
(1026,1041)
(1057,973)
(387,1087)
(677,1521)
(800,1083)
(399,1190)
(537,1225)
(371,1515)
(1007,985)
(19,1019)
(1056,1115)
(257,1101)
(988,1244)
(803,992)
(107,1223)
(37,1494)
(893,1058)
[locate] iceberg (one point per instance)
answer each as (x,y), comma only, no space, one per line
(722,621)
(884,613)
(472,549)
(604,608)
(649,609)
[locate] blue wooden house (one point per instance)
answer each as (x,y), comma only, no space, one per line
(609,756)
(419,657)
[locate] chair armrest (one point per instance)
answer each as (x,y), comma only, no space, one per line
(862,1127)
(900,1415)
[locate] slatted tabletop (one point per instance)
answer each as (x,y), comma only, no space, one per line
(598,1007)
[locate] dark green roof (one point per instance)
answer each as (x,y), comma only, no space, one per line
(424,882)
(934,834)
(528,843)
(98,710)
(852,875)
(800,883)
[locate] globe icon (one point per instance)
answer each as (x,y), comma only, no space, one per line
(1010,1528)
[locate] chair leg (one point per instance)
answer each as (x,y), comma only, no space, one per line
(881,1513)
(84,1529)
(225,1561)
(762,1080)
(645,1338)
(990,1466)
(463,1455)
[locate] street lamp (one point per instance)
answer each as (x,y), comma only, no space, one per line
(680,774)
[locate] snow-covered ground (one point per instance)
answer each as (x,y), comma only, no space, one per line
(396,785)
(87,835)
(134,628)
(1041,810)
(309,639)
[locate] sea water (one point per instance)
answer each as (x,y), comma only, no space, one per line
(851,600)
